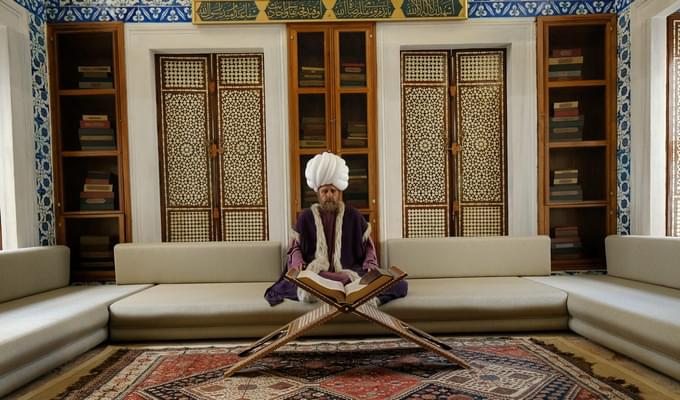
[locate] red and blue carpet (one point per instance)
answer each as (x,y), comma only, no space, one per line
(502,368)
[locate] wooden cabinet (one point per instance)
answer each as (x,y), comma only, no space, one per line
(577,137)
(88,115)
(332,108)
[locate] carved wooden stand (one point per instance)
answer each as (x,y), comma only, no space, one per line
(332,309)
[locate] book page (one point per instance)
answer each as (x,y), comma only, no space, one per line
(371,281)
(326,286)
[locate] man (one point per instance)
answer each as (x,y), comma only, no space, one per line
(329,238)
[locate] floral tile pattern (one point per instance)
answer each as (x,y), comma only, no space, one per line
(41,128)
(623,121)
(150,11)
(180,10)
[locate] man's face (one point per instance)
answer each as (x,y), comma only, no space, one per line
(329,196)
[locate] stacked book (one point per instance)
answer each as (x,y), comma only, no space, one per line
(566,243)
(566,124)
(97,192)
(95,77)
(565,64)
(313,132)
(95,132)
(352,74)
(96,252)
(357,134)
(565,186)
(311,76)
(356,194)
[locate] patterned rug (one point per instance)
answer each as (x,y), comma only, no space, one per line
(501,368)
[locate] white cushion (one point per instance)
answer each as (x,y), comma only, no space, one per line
(466,256)
(36,325)
(644,258)
(198,262)
(24,272)
(639,312)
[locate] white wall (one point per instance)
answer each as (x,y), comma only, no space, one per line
(648,115)
(518,36)
(145,40)
(18,198)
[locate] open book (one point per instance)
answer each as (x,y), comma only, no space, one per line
(369,284)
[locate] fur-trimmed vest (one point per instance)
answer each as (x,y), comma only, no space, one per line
(351,233)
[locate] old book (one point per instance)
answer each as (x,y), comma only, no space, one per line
(95,117)
(94,68)
(573,52)
(95,124)
(90,187)
(559,105)
(352,292)
(565,60)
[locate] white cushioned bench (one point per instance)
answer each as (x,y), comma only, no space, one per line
(43,321)
(635,308)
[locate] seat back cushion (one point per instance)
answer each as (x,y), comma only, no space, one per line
(647,259)
(198,262)
(32,270)
(467,257)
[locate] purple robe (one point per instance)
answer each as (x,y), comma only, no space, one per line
(356,252)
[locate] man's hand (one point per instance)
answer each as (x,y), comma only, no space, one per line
(297,268)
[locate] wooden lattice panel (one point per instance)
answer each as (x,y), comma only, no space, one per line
(482,220)
(481,139)
(426,222)
(185,168)
(425,139)
(239,70)
(189,226)
(480,126)
(242,141)
(674,132)
(244,225)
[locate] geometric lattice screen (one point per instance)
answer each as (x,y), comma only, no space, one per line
(240,128)
(425,141)
(479,80)
(212,147)
(673,168)
(454,173)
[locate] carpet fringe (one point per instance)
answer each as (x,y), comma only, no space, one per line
(587,367)
(94,372)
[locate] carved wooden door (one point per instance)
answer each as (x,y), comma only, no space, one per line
(454,143)
(211,147)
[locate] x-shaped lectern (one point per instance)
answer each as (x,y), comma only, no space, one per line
(332,309)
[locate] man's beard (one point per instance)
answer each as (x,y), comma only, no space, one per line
(329,205)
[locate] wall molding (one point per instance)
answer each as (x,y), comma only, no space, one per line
(648,115)
(518,36)
(141,99)
(18,204)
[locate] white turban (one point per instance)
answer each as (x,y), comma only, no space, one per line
(327,169)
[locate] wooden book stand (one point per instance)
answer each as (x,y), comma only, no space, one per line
(332,309)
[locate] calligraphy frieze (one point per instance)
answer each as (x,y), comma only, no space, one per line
(277,11)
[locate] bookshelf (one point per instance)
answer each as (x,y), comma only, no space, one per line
(577,137)
(332,108)
(88,120)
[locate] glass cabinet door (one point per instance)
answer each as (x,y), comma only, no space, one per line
(312,120)
(352,59)
(311,65)
(332,107)
(353,120)
(356,194)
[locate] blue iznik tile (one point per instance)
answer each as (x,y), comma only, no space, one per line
(623,124)
(41,132)
(152,11)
